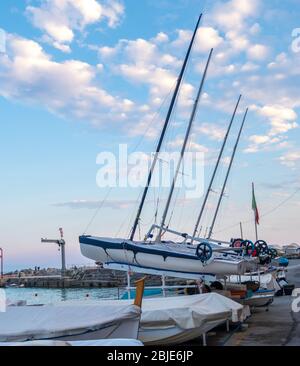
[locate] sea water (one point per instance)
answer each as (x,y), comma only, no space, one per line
(34,296)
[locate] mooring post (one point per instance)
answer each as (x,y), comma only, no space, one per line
(204,340)
(128,286)
(163,279)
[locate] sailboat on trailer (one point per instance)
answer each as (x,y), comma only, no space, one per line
(177,259)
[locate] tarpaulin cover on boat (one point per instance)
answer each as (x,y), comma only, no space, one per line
(97,343)
(168,320)
(53,321)
(185,311)
(177,320)
(267,281)
(190,311)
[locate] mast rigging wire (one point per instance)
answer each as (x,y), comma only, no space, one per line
(97,211)
(263,215)
(101,204)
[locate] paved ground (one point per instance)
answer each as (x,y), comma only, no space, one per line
(279,326)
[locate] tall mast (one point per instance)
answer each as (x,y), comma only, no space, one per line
(254,207)
(215,171)
(187,135)
(227,175)
(136,222)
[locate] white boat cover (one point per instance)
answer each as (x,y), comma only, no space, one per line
(199,312)
(267,281)
(96,343)
(52,321)
(188,312)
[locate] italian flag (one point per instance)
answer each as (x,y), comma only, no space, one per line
(254,206)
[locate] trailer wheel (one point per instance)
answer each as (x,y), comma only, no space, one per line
(204,252)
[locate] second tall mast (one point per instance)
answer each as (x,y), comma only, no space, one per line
(215,170)
(227,176)
(187,135)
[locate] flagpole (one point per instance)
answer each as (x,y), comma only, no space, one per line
(255,217)
(241,228)
(256,234)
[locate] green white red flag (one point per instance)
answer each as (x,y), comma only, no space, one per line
(254,206)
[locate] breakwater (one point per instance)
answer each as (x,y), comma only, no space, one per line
(84,278)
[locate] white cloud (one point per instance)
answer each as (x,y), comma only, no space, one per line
(106,52)
(62,47)
(59,19)
(92,205)
(226,160)
(258,52)
(237,41)
(161,37)
(155,63)
(145,125)
(211,130)
(144,63)
(100,67)
(177,143)
(255,29)
(233,14)
(263,143)
(66,88)
(160,79)
(290,159)
(259,139)
(282,119)
(249,66)
(207,38)
(183,38)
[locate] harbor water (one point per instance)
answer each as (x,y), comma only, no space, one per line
(35,296)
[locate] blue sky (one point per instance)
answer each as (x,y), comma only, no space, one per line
(80,77)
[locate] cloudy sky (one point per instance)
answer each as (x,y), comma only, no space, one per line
(80,77)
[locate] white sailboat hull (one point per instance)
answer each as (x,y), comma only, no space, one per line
(166,257)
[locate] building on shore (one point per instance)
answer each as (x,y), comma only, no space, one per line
(292,249)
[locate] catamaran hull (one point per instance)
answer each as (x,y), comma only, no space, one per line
(157,257)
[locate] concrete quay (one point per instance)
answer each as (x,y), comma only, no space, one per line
(278,326)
